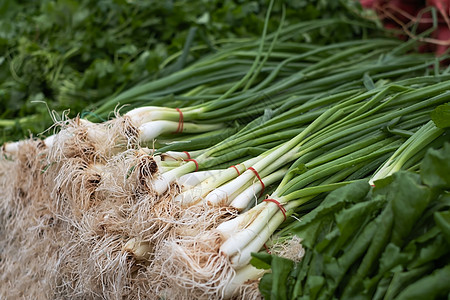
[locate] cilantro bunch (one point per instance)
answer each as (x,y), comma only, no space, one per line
(65,55)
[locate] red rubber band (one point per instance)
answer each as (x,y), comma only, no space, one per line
(280,206)
(180,122)
(196,163)
(260,180)
(239,173)
(188,155)
(267,248)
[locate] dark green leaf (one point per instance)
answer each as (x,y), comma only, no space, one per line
(431,251)
(402,279)
(435,167)
(274,285)
(350,221)
(315,284)
(441,115)
(442,220)
(369,263)
(409,200)
(429,287)
(261,260)
(352,193)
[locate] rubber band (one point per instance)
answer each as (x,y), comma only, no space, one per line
(280,206)
(267,248)
(180,122)
(260,180)
(196,163)
(188,155)
(237,170)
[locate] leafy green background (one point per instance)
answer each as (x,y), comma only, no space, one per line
(67,54)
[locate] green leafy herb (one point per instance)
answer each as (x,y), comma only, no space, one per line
(441,115)
(66,55)
(390,242)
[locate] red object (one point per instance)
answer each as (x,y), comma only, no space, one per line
(260,180)
(196,164)
(267,248)
(403,14)
(180,122)
(443,34)
(236,169)
(188,155)
(367,3)
(280,206)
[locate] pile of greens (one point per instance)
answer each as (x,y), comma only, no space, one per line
(390,241)
(59,55)
(224,140)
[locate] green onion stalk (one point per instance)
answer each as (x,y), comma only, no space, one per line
(244,53)
(207,159)
(154,121)
(406,155)
(268,82)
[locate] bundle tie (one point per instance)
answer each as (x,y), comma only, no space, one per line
(260,180)
(180,122)
(267,248)
(196,163)
(239,173)
(187,153)
(280,206)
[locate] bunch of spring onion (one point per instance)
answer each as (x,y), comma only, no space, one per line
(204,190)
(348,141)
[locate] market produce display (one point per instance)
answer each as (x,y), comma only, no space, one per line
(296,165)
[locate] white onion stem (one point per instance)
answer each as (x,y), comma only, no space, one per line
(151,130)
(243,200)
(244,274)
